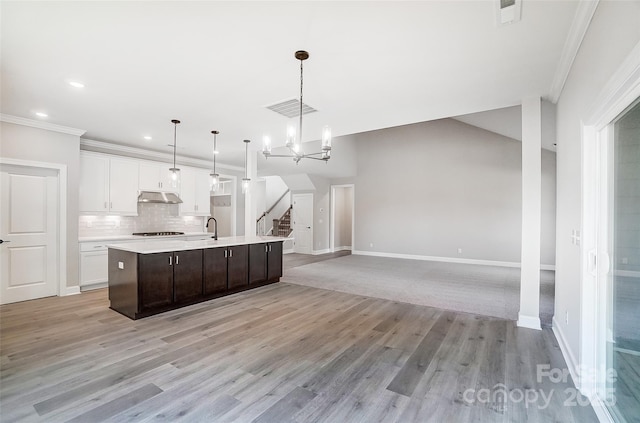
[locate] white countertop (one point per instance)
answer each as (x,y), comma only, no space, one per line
(168,245)
(140,237)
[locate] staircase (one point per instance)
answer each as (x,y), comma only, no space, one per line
(282,226)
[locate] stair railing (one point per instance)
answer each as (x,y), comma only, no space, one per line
(261,222)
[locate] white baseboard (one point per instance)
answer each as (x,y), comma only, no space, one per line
(318,252)
(569,358)
(531,322)
(448,259)
(346,248)
(71,290)
(288,251)
(98,285)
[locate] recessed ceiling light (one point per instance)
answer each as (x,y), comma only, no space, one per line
(40,114)
(148,138)
(76,84)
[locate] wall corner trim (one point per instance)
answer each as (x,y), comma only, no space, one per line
(577,31)
(530,322)
(41,125)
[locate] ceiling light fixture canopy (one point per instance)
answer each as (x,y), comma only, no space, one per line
(293,142)
(174,172)
(214,178)
(246,180)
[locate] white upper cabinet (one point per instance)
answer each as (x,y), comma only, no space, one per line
(155,177)
(194,192)
(123,186)
(108,185)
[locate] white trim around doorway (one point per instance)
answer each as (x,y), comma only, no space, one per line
(332,223)
(620,92)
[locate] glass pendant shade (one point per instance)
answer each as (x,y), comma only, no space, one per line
(174,172)
(214,182)
(245,185)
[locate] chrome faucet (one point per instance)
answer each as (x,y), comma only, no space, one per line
(215,227)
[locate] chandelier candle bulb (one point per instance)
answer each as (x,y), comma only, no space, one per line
(291,136)
(266,145)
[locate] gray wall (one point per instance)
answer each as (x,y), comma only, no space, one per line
(27,143)
(430,188)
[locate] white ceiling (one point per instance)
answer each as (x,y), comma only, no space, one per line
(216,65)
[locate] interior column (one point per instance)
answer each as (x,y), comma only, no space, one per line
(249,196)
(529,315)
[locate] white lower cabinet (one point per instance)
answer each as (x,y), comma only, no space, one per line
(93,264)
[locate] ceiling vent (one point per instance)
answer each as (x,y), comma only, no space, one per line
(291,108)
(508,11)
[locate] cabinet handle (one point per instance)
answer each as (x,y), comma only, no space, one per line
(230,253)
(266,248)
(111,205)
(177,260)
(225,253)
(98,246)
(170,261)
(269,247)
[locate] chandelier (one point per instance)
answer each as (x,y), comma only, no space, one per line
(293,142)
(174,172)
(214,178)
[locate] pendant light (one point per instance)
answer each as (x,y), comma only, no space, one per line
(293,142)
(214,178)
(246,180)
(174,172)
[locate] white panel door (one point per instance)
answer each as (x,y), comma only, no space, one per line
(302,220)
(28,229)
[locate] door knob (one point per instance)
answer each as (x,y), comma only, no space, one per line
(1,241)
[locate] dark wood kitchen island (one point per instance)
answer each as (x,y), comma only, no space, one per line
(151,277)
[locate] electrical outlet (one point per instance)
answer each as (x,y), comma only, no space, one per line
(120,265)
(459,250)
(371,244)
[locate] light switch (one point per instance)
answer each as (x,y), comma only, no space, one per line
(120,265)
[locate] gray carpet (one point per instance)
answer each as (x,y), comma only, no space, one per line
(486,290)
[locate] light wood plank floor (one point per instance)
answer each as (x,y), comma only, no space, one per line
(280,353)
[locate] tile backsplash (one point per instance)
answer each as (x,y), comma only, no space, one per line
(151,218)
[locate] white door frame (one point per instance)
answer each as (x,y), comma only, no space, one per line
(61,169)
(332,223)
(618,94)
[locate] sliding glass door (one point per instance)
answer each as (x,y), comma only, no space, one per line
(619,279)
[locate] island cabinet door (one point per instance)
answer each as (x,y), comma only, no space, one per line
(215,270)
(187,275)
(155,280)
(238,266)
(274,261)
(257,263)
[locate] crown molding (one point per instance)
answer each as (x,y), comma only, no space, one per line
(140,153)
(579,26)
(41,125)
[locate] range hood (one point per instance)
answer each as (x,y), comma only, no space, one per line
(158,197)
